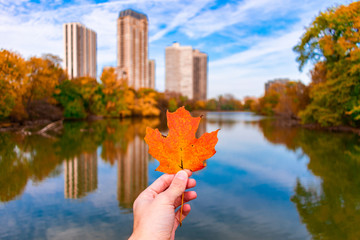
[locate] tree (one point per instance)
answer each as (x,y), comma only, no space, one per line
(146,104)
(12,77)
(292,100)
(69,96)
(42,78)
(22,82)
(114,90)
(332,41)
(172,105)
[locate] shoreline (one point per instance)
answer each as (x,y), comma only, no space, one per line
(9,126)
(291,122)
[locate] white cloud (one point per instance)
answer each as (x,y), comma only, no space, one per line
(187,11)
(247,61)
(216,20)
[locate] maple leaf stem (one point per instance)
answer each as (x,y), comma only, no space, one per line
(181,209)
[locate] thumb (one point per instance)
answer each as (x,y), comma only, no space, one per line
(177,187)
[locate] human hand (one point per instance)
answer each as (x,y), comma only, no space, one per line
(154,208)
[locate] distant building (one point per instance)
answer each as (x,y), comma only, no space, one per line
(80,50)
(178,70)
(186,71)
(280,81)
(152,74)
(132,48)
(200,75)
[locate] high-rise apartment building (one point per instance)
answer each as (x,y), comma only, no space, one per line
(200,75)
(152,74)
(132,48)
(280,82)
(80,50)
(186,71)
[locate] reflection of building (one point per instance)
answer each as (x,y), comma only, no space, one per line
(132,172)
(186,71)
(202,127)
(132,47)
(80,50)
(80,175)
(152,74)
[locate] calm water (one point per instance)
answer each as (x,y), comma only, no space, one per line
(265,182)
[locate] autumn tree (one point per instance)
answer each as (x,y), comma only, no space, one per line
(114,90)
(247,102)
(12,77)
(43,76)
(332,42)
(268,102)
(292,99)
(145,103)
(22,82)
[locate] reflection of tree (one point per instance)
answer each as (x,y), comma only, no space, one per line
(13,170)
(79,137)
(80,175)
(332,212)
(120,133)
(275,131)
(23,158)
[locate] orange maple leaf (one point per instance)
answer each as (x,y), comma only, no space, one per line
(181,149)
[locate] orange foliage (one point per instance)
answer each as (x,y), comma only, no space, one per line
(181,149)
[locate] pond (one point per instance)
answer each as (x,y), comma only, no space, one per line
(266,181)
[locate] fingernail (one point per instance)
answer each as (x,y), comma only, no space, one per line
(181,175)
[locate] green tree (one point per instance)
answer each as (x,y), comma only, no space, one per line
(172,105)
(68,95)
(332,40)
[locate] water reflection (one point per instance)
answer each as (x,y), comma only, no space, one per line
(332,210)
(35,158)
(266,175)
(124,144)
(24,158)
(132,172)
(80,175)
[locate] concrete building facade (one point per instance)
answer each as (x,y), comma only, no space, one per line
(200,75)
(152,74)
(279,81)
(132,48)
(186,71)
(79,50)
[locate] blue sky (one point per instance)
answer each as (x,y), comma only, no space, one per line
(248,41)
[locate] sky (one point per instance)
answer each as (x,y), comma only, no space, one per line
(248,41)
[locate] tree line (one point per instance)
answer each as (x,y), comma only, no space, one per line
(331,43)
(38,88)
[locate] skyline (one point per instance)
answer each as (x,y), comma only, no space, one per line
(248,42)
